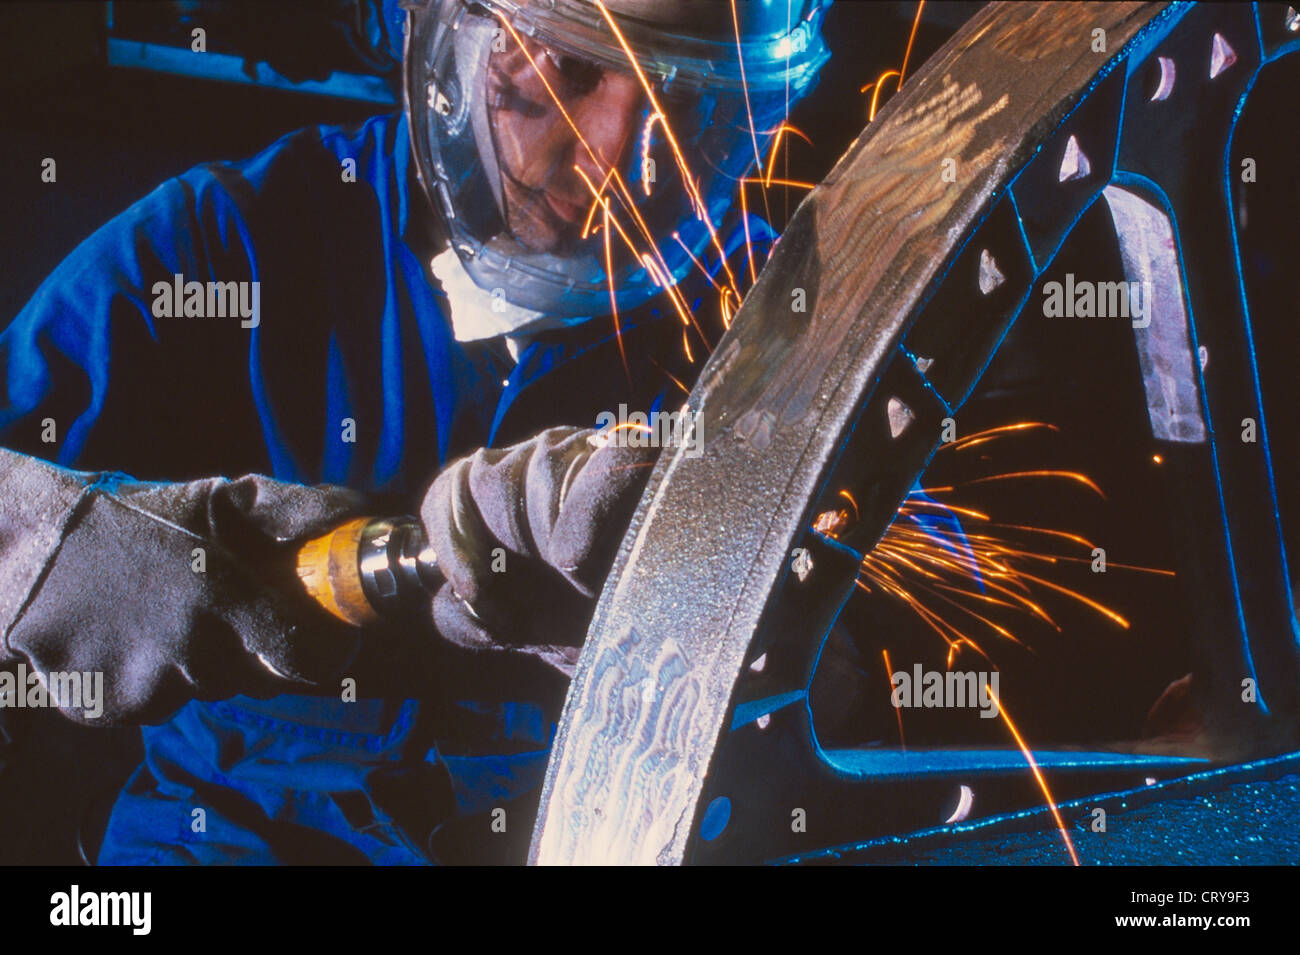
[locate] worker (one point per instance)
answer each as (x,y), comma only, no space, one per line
(424,314)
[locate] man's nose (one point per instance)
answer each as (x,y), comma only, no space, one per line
(607,122)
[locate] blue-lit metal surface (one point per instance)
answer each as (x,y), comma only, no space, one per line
(227,68)
(1208,839)
(882,764)
(350,51)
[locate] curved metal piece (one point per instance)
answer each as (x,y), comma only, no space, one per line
(676,620)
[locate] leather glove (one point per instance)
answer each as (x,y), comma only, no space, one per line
(525,536)
(100,574)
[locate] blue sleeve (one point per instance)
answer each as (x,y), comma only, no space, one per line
(91,379)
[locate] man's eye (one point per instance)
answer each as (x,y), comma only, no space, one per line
(579,76)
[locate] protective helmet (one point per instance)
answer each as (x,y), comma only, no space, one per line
(524,112)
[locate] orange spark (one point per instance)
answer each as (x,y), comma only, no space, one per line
(1069,475)
(645,149)
(1038,775)
(793,183)
(781,131)
(613,299)
(898,710)
(831,523)
(674,295)
(934,571)
(879,84)
(671,377)
(744,85)
(701,209)
(749,245)
(989,434)
(595,204)
(916,22)
(698,264)
(631,426)
(626,196)
(753,134)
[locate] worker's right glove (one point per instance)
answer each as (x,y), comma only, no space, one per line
(525,536)
(168,592)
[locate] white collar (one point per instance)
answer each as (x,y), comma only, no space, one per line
(477,314)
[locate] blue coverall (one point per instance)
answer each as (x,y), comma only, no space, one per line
(350,327)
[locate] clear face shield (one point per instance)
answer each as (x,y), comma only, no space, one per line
(582,160)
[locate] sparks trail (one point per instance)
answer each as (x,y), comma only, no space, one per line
(782,131)
(990,434)
(1038,776)
(614,203)
(613,301)
(671,377)
(622,192)
(878,84)
(1014,475)
(911,38)
(636,236)
(753,135)
(701,210)
(925,563)
(791,183)
(898,710)
(946,575)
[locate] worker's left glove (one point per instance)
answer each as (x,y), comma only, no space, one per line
(525,536)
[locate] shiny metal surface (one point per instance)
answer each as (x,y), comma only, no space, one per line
(397,564)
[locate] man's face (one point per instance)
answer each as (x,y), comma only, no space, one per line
(546,200)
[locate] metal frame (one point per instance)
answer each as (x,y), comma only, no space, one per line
(703,626)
